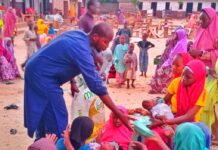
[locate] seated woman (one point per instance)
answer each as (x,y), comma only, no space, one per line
(179,62)
(204,47)
(81,130)
(7,44)
(6,71)
(191,97)
(196,139)
(163,77)
(208,115)
(115,131)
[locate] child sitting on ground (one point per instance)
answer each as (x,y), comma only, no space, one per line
(144,45)
(130,60)
(115,131)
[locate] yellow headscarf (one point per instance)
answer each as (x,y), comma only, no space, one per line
(42,28)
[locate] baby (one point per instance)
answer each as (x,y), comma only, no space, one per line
(158,110)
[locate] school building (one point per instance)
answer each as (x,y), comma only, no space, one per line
(40,6)
(178,8)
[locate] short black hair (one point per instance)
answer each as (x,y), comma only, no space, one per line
(90,3)
(103,29)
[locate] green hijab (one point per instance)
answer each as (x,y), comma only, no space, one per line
(208,115)
(189,136)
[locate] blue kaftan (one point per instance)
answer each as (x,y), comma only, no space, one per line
(56,63)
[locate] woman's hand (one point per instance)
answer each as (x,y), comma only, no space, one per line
(138,145)
(155,123)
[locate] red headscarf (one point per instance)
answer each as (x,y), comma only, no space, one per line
(122,135)
(205,38)
(188,96)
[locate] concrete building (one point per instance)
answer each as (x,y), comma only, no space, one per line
(181,7)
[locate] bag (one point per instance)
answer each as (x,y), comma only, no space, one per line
(157,60)
(86,103)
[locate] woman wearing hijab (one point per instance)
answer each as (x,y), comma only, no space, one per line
(115,131)
(6,71)
(204,47)
(81,130)
(7,44)
(191,97)
(42,28)
(194,140)
(208,114)
(179,62)
(10,22)
(163,75)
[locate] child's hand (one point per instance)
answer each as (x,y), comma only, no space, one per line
(52,137)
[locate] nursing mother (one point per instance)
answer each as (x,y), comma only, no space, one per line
(56,63)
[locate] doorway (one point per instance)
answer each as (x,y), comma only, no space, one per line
(189,8)
(154,7)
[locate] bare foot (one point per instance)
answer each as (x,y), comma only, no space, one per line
(141,74)
(127,87)
(133,85)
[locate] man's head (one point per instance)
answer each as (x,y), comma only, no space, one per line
(92,6)
(101,35)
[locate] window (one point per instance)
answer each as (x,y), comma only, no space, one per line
(167,6)
(180,5)
(213,5)
(199,6)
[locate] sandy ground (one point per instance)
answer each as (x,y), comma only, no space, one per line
(13,93)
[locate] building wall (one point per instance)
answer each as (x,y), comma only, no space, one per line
(174,5)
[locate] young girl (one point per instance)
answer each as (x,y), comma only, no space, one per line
(7,44)
(115,131)
(81,130)
(179,62)
(130,60)
(144,45)
(119,53)
(51,30)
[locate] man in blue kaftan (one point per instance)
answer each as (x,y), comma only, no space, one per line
(53,65)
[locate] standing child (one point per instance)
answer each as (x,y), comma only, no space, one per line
(125,31)
(119,53)
(51,30)
(144,45)
(130,59)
